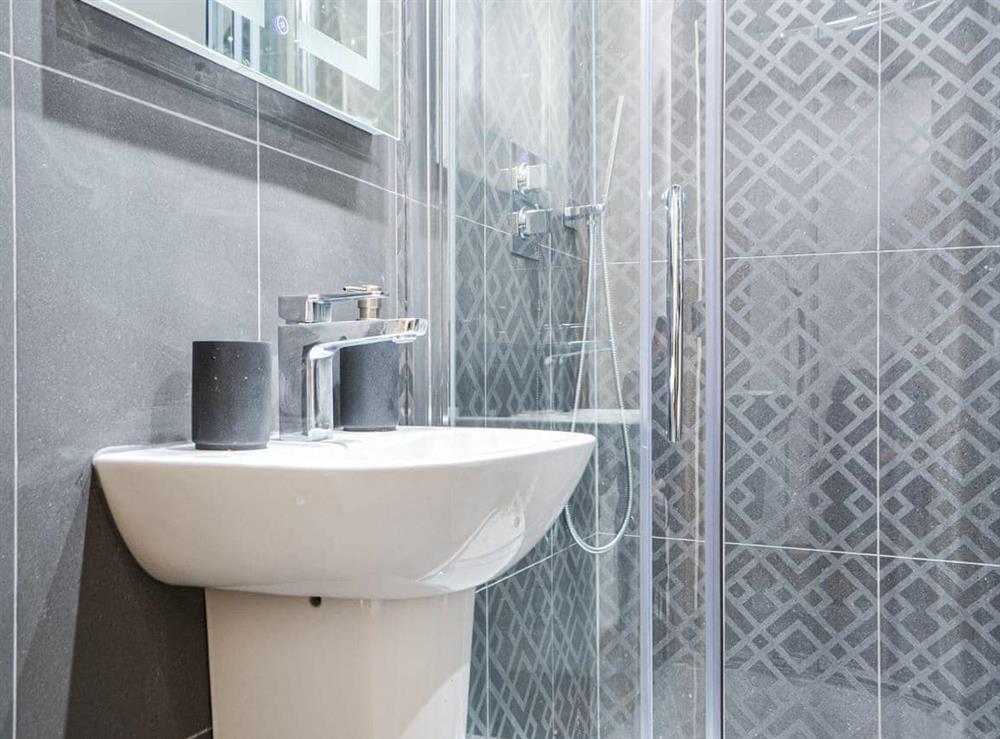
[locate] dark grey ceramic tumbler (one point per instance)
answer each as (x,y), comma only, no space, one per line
(230,394)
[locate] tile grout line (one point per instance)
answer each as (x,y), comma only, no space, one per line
(260,297)
(196,121)
(14,405)
(878,383)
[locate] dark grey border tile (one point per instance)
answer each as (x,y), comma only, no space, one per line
(83,41)
(306,132)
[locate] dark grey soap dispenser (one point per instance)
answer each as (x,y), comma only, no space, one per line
(369,377)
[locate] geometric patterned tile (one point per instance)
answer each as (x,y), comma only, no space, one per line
(678,640)
(478,720)
(574,647)
(940,384)
(800,644)
(800,402)
(618,635)
(940,119)
(520,664)
(470,320)
(940,650)
(800,120)
(516,306)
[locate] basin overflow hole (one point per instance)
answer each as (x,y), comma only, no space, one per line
(315,601)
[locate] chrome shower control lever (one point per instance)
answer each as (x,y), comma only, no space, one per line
(530,177)
(531,221)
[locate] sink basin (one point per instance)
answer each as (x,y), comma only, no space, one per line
(392,531)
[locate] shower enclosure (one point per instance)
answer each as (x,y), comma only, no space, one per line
(751,246)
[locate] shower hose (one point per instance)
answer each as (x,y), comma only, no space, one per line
(598,228)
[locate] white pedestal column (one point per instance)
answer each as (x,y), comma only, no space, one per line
(346,669)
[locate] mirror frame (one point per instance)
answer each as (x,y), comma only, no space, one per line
(112,8)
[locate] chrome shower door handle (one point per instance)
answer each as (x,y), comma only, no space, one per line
(673,200)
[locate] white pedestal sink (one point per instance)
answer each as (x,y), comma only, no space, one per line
(340,574)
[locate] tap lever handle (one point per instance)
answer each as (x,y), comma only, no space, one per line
(317,307)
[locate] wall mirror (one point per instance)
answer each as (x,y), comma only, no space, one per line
(341,56)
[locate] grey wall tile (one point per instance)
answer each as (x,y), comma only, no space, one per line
(800,126)
(470,321)
(7,403)
(320,231)
(309,133)
(413,298)
(940,427)
(940,650)
(939,124)
(152,245)
(520,644)
(800,411)
(5,26)
(81,40)
(800,644)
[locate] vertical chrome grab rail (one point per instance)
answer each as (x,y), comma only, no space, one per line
(673,202)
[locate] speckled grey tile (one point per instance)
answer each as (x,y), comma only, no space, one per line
(940,650)
(800,644)
(940,429)
(800,126)
(800,412)
(136,235)
(940,119)
(81,40)
(309,133)
(7,573)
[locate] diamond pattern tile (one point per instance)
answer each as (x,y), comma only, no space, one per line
(940,650)
(940,119)
(478,720)
(574,649)
(520,654)
(618,640)
(470,321)
(800,126)
(800,644)
(800,414)
(940,377)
